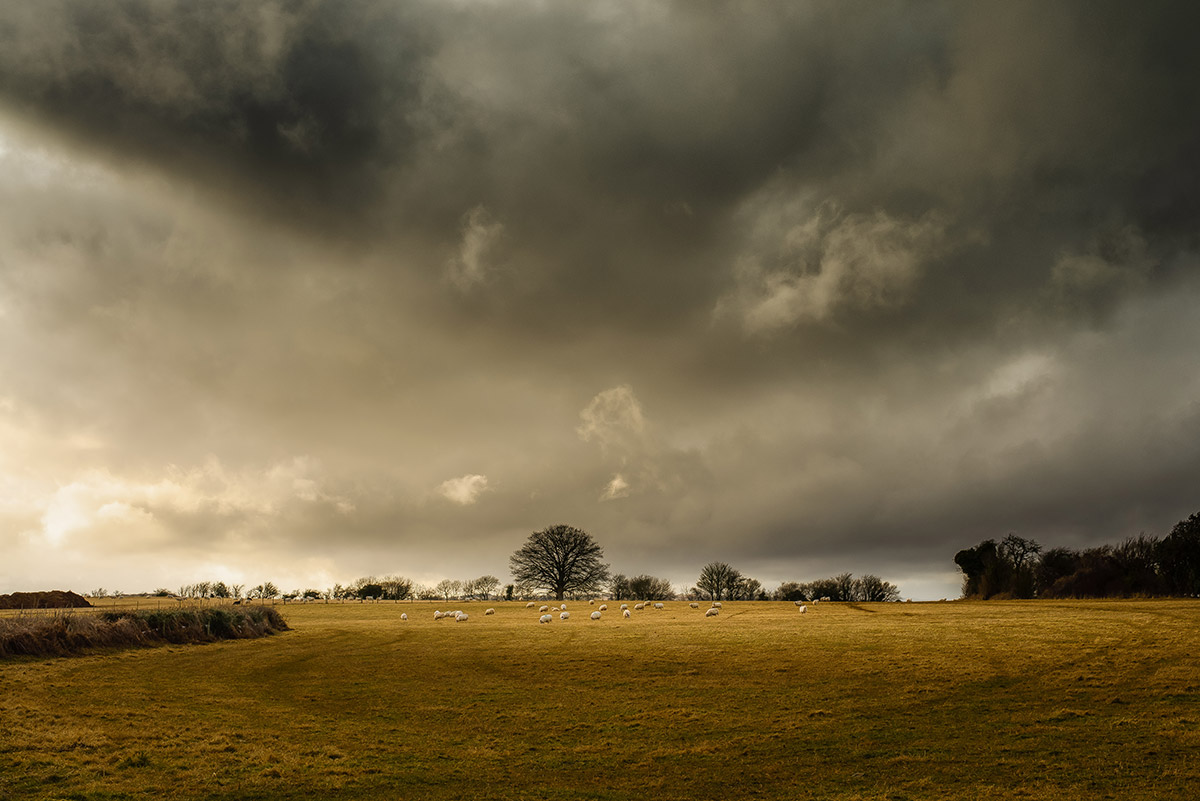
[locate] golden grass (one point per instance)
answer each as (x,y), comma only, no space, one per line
(998,700)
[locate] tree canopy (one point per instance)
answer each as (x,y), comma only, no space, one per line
(560,559)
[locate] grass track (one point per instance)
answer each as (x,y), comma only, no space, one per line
(1062,700)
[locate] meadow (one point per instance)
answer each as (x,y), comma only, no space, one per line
(958,700)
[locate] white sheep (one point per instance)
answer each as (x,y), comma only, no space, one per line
(564,615)
(544,608)
(658,606)
(595,615)
(490,612)
(404,615)
(625,606)
(603,607)
(438,615)
(799,603)
(545,619)
(457,612)
(803,609)
(529,605)
(563,607)
(694,605)
(591,602)
(461,617)
(716,605)
(625,612)
(712,611)
(639,606)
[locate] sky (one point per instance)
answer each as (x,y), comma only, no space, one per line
(302,290)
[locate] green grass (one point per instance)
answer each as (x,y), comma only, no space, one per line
(999,700)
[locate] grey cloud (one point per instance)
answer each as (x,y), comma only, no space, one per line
(875,278)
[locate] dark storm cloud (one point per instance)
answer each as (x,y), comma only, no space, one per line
(842,281)
(628,149)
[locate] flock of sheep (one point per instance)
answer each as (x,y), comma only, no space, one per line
(547,611)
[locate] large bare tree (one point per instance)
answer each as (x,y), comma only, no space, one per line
(560,559)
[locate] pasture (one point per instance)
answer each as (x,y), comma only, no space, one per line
(1055,700)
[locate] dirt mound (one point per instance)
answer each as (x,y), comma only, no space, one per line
(54,599)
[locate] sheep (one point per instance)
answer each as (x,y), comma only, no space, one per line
(625,612)
(544,608)
(591,602)
(457,612)
(658,606)
(694,605)
(490,612)
(803,609)
(624,606)
(564,615)
(563,607)
(603,607)
(404,615)
(438,615)
(461,617)
(529,605)
(712,611)
(716,605)
(799,603)
(595,615)
(545,619)
(639,606)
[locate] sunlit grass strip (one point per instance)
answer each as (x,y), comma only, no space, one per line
(65,633)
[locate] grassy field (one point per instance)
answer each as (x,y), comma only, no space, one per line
(1061,700)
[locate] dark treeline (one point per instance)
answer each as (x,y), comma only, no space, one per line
(844,587)
(1140,566)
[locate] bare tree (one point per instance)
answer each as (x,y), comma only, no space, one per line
(719,581)
(650,588)
(560,559)
(484,586)
(446,588)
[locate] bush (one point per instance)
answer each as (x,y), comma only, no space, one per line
(62,634)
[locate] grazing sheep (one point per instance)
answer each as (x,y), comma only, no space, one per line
(591,602)
(624,606)
(658,606)
(438,615)
(529,605)
(544,608)
(490,612)
(625,612)
(799,603)
(694,605)
(803,609)
(603,607)
(563,607)
(545,619)
(712,611)
(564,615)
(595,615)
(716,605)
(404,615)
(639,606)
(461,617)
(457,612)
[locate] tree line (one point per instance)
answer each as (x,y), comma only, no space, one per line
(564,562)
(1144,565)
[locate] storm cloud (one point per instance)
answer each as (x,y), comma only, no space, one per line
(309,287)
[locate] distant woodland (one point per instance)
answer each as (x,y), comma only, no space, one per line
(1144,566)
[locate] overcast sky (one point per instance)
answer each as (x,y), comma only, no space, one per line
(302,291)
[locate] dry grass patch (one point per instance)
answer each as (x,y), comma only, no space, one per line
(956,701)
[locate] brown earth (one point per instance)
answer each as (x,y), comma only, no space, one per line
(54,599)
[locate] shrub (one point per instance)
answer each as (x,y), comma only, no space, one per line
(61,634)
